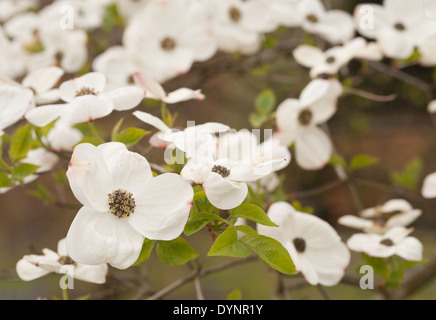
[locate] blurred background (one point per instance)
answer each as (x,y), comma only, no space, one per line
(399,133)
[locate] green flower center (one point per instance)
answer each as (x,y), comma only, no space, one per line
(121,203)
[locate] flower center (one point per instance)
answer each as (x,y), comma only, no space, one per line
(312,18)
(168,44)
(86,91)
(400,27)
(235,14)
(121,203)
(305,117)
(330,60)
(64,260)
(222,171)
(387,242)
(299,244)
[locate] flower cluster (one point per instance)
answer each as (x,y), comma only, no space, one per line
(57,80)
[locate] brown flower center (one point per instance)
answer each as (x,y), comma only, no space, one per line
(121,203)
(305,117)
(222,171)
(168,44)
(235,14)
(299,244)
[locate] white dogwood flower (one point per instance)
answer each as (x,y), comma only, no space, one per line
(15,101)
(314,246)
(236,26)
(379,219)
(10,8)
(335,26)
(397,25)
(85,100)
(33,266)
(224,172)
(165,43)
(394,242)
(122,204)
(63,136)
(298,120)
(332,60)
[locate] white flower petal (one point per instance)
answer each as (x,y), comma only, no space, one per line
(313,148)
(355,222)
(88,108)
(308,56)
(151,120)
(163,208)
(89,177)
(224,193)
(429,186)
(43,115)
(42,80)
(410,249)
(126,98)
(94,274)
(152,88)
(100,237)
(183,94)
(28,271)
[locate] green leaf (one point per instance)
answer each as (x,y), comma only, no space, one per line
(176,252)
(23,170)
(116,128)
(257,120)
(147,247)
(227,244)
(96,141)
(409,176)
(5,181)
(42,193)
(252,212)
(235,295)
(21,143)
(198,220)
(271,252)
(337,160)
(130,136)
(111,18)
(265,102)
(362,161)
(246,229)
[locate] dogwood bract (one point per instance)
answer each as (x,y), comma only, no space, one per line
(122,204)
(315,247)
(86,100)
(298,120)
(224,172)
(394,242)
(379,219)
(33,266)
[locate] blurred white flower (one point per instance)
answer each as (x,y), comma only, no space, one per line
(122,204)
(46,43)
(15,101)
(63,136)
(397,25)
(236,26)
(224,173)
(12,57)
(315,247)
(33,266)
(128,8)
(332,60)
(165,43)
(85,100)
(335,26)
(298,120)
(394,242)
(379,219)
(10,8)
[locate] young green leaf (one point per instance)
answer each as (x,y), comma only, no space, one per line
(227,244)
(198,220)
(21,143)
(5,181)
(147,247)
(176,252)
(130,136)
(265,102)
(252,212)
(362,161)
(409,176)
(235,295)
(271,252)
(23,170)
